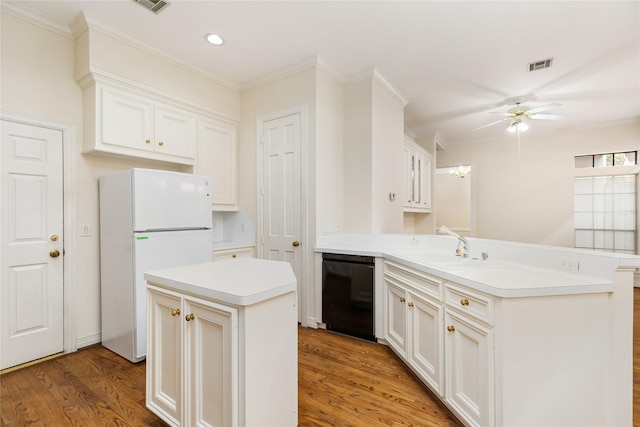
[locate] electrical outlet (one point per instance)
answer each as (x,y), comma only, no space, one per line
(570,265)
(414,240)
(86,230)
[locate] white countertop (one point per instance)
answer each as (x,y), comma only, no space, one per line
(499,277)
(503,279)
(245,281)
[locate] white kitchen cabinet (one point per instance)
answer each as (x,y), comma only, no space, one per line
(419,172)
(396,318)
(413,326)
(468,360)
(131,124)
(191,368)
(234,253)
(220,336)
(217,158)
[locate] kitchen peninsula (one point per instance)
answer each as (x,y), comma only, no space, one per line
(515,334)
(220,336)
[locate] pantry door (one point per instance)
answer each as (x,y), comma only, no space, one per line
(31,294)
(281,194)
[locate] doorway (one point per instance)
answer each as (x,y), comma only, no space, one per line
(281,223)
(453,200)
(38,319)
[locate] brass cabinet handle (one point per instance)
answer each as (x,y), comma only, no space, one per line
(464,302)
(296,244)
(54,253)
(410,304)
(234,256)
(189,317)
(402,299)
(175,312)
(148,141)
(451,328)
(160,143)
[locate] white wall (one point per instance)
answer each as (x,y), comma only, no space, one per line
(329,159)
(37,80)
(373,157)
(388,160)
(528,196)
(358,156)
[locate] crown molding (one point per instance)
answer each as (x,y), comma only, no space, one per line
(308,64)
(13,9)
(376,76)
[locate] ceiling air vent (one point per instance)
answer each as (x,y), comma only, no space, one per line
(540,65)
(154,6)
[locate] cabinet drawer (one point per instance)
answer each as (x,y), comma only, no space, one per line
(469,302)
(415,279)
(224,254)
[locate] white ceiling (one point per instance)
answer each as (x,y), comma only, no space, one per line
(455,61)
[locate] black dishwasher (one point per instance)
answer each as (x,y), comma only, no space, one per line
(347,294)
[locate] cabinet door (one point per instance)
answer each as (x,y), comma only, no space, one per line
(164,355)
(175,132)
(425,181)
(469,369)
(217,152)
(425,343)
(211,359)
(396,318)
(127,121)
(408,159)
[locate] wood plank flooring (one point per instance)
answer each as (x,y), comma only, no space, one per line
(342,382)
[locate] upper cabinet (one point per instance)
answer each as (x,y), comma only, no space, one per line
(139,126)
(419,172)
(123,118)
(217,153)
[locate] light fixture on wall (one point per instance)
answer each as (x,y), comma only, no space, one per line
(461,171)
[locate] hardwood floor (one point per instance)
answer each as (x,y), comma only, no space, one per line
(342,382)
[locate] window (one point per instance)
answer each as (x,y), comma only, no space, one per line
(605,212)
(607,160)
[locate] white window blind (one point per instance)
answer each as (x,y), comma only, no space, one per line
(605,213)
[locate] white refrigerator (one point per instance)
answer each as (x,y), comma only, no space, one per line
(149,219)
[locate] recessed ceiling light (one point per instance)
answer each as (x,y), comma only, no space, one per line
(213,39)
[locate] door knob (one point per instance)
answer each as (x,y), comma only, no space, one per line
(54,253)
(54,237)
(296,244)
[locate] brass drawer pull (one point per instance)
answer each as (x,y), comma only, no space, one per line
(451,328)
(464,302)
(175,312)
(189,317)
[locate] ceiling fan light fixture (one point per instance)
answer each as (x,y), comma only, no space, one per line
(517,126)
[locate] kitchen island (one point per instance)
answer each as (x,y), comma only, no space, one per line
(522,335)
(220,336)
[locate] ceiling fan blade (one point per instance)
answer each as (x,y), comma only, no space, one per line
(494,123)
(543,108)
(502,114)
(547,116)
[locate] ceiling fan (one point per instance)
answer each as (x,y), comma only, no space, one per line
(517,115)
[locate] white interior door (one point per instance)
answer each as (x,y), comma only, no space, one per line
(31,294)
(281,186)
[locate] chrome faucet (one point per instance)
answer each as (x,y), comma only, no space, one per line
(460,251)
